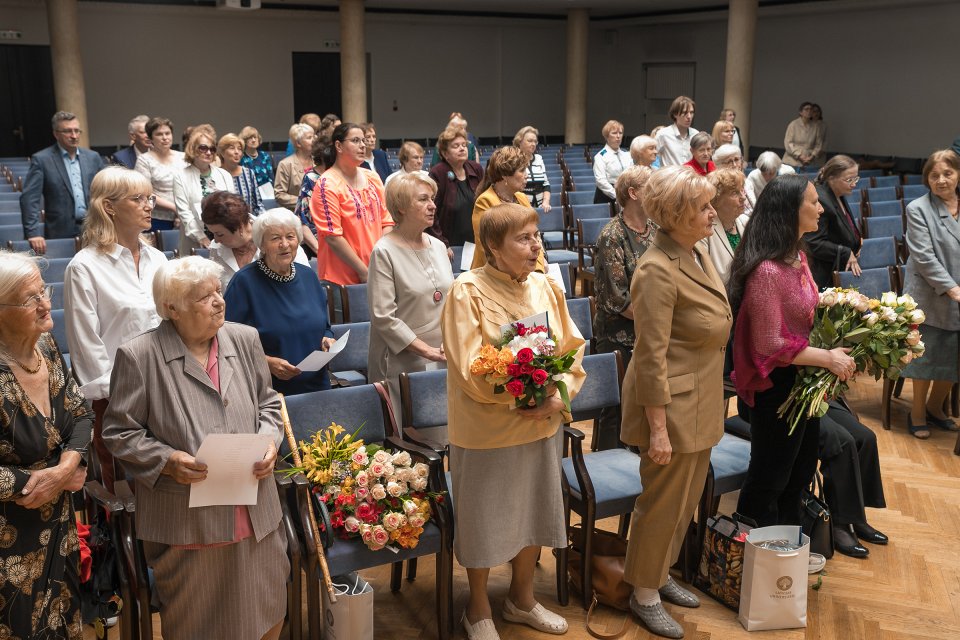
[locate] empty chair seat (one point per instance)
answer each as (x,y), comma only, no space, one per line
(552,228)
(873,173)
(882,193)
(55,270)
(881,227)
(581,312)
(886,181)
(871,282)
(913,191)
(11,232)
(878,252)
(885,208)
(56,247)
(578,197)
(590,211)
(913,179)
(350,365)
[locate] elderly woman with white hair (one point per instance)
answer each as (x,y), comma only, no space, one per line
(44,434)
(729,156)
(290,170)
(220,570)
(644,150)
(769,166)
(284,302)
(407,282)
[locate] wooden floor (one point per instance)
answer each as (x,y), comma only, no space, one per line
(907,590)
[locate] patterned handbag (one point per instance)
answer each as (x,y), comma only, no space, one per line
(721,561)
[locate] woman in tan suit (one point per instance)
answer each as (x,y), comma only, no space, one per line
(220,570)
(673,389)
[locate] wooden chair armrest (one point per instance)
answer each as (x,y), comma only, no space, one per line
(106,500)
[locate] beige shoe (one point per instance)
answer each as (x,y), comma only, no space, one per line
(539,618)
(481,630)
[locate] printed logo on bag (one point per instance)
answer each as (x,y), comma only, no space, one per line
(784,583)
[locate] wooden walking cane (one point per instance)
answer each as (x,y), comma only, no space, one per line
(295,452)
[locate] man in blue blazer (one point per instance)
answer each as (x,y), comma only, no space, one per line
(58,184)
(139,143)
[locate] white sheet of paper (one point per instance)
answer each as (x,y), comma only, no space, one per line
(553,271)
(319,359)
(229,458)
(266,191)
(529,321)
(466,258)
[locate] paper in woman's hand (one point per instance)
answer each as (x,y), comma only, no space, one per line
(319,359)
(229,458)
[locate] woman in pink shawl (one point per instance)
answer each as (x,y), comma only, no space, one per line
(774,296)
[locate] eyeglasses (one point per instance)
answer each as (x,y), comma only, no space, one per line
(852,181)
(356,141)
(205,148)
(68,132)
(140,199)
(34,301)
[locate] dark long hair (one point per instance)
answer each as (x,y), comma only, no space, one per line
(772,234)
(339,135)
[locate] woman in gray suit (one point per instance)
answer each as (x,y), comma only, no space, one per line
(220,570)
(933,274)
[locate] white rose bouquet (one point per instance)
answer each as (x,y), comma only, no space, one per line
(883,336)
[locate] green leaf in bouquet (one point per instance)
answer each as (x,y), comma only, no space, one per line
(857,335)
(882,359)
(828,331)
(564,395)
(498,389)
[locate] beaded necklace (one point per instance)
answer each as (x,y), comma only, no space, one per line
(273,275)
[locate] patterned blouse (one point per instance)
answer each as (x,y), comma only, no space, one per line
(618,249)
(262,167)
(246,185)
(302,209)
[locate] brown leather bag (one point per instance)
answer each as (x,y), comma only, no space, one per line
(607,562)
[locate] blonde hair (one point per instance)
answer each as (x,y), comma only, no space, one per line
(634,176)
(725,181)
(670,196)
(401,191)
(197,132)
(298,131)
(408,149)
(518,139)
(312,120)
(719,127)
(499,221)
(250,132)
(227,141)
(175,280)
(607,128)
(110,184)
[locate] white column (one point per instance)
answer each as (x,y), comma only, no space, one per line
(353,61)
(738,77)
(578,26)
(68,83)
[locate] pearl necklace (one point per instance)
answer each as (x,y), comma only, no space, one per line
(273,275)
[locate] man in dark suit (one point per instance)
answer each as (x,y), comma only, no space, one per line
(58,185)
(139,142)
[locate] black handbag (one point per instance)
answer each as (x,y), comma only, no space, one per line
(815,519)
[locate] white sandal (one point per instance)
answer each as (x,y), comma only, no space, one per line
(539,618)
(482,629)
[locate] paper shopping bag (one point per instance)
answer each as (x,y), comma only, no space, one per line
(774,590)
(351,616)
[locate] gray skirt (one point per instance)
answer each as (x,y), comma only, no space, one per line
(238,591)
(506,499)
(939,361)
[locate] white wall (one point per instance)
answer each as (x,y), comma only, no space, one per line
(884,76)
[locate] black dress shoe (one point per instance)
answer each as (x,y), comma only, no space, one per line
(868,534)
(846,543)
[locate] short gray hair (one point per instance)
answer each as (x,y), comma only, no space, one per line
(15,269)
(768,161)
(175,280)
(61,116)
(298,131)
(132,125)
(726,151)
(278,217)
(639,143)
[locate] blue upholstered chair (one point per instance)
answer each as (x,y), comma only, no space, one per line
(571,198)
(349,367)
(364,408)
(878,252)
(885,208)
(553,228)
(60,334)
(882,193)
(423,408)
(913,191)
(872,282)
(56,247)
(886,181)
(913,179)
(11,232)
(588,231)
(168,239)
(596,485)
(355,308)
(887,227)
(456,260)
(581,312)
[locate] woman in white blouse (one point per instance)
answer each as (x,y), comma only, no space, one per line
(108,286)
(609,163)
(159,164)
(195,182)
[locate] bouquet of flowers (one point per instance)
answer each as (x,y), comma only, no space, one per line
(883,337)
(524,364)
(370,493)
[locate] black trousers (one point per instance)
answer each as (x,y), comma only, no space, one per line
(608,424)
(781,465)
(850,464)
(599,197)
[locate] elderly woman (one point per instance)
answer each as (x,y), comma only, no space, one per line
(537,188)
(728,156)
(44,434)
(457,121)
(835,245)
(230,150)
(933,279)
(194,183)
(284,302)
(290,170)
(643,151)
(348,209)
(411,161)
(673,410)
(769,166)
(108,287)
(159,164)
(302,210)
(489,436)
(701,146)
(409,276)
(258,161)
(619,246)
(457,179)
(503,182)
(219,571)
(774,298)
(375,158)
(722,133)
(731,116)
(609,162)
(805,138)
(728,202)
